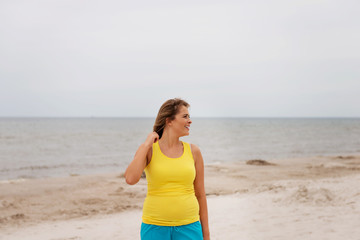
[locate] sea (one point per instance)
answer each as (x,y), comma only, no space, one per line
(58,147)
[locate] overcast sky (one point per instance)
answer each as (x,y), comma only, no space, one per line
(226,58)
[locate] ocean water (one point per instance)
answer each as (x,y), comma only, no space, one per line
(53,147)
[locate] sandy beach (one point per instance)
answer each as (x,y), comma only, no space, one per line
(307,198)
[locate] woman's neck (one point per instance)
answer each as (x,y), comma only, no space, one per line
(169,140)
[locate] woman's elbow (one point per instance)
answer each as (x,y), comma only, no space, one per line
(131,180)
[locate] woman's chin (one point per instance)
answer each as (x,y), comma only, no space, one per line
(185,134)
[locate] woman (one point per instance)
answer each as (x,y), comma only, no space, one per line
(176,198)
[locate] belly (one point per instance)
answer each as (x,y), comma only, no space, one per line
(171,210)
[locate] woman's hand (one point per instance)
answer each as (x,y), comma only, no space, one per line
(151,138)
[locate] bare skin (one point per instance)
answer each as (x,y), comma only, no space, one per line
(172,147)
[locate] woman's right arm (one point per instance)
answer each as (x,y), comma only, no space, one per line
(138,164)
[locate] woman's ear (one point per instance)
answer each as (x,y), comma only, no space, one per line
(168,121)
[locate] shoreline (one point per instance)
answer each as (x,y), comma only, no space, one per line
(211,163)
(292,186)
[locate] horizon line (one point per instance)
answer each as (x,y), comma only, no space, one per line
(334,117)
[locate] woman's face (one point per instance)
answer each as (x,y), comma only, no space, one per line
(181,123)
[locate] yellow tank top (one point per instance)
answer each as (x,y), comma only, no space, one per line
(170,199)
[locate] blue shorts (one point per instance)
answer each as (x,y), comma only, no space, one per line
(191,231)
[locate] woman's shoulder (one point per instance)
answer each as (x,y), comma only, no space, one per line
(195,151)
(194,148)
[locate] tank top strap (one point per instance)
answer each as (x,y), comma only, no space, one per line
(187,149)
(156,147)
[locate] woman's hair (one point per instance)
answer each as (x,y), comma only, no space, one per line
(168,110)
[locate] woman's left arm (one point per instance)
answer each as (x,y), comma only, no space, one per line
(199,186)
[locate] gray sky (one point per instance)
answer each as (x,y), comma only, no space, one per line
(226,58)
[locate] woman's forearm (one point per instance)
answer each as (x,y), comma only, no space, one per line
(204,216)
